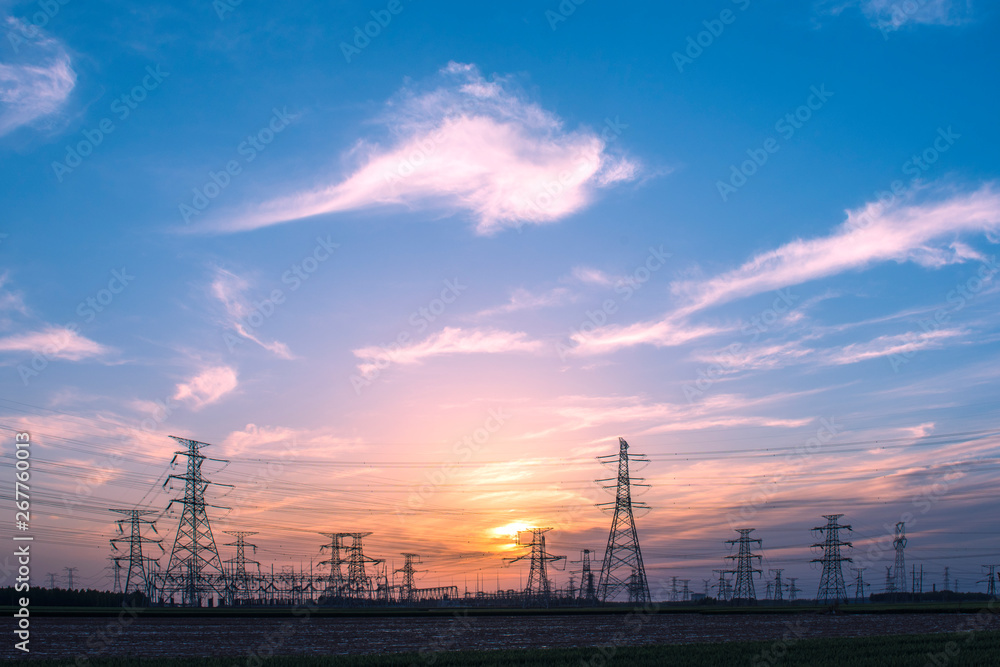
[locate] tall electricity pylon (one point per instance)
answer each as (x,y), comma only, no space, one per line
(831,583)
(195,567)
(358,584)
(623,570)
(859,584)
(408,579)
(890,581)
(990,581)
(779,590)
(723,588)
(744,590)
(135,540)
(793,590)
(539,587)
(588,590)
(899,570)
(239,583)
(335,584)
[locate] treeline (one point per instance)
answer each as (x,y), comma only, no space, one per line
(62,597)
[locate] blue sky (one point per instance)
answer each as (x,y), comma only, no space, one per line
(705,229)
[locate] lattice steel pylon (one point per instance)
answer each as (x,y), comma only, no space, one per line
(793,590)
(358,584)
(335,583)
(409,582)
(135,540)
(899,569)
(240,587)
(724,588)
(779,590)
(743,590)
(588,590)
(990,581)
(831,583)
(195,567)
(859,584)
(623,569)
(539,587)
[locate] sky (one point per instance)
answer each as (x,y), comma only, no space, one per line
(411,267)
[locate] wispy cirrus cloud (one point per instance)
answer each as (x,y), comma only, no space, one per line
(207,387)
(269,440)
(36,76)
(230,289)
(923,228)
(448,341)
(522,299)
(891,15)
(466,144)
(55,342)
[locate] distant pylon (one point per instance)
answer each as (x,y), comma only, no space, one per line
(831,583)
(588,590)
(408,579)
(686,593)
(947,580)
(890,581)
(52,580)
(674,593)
(116,568)
(744,590)
(723,588)
(778,586)
(706,583)
(899,569)
(990,581)
(859,584)
(195,567)
(793,590)
(539,587)
(623,570)
(239,583)
(335,583)
(69,575)
(137,572)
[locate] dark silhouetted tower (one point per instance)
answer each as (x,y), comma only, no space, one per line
(899,569)
(743,591)
(539,587)
(137,578)
(623,570)
(831,583)
(240,584)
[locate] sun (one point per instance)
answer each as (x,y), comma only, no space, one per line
(511,530)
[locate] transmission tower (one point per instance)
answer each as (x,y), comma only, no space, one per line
(990,581)
(195,567)
(859,584)
(793,590)
(890,581)
(623,570)
(744,591)
(135,540)
(900,567)
(588,592)
(335,584)
(539,587)
(706,583)
(408,579)
(831,583)
(52,580)
(239,582)
(723,588)
(778,588)
(674,593)
(358,585)
(686,593)
(947,580)
(69,575)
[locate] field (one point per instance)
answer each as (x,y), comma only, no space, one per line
(979,648)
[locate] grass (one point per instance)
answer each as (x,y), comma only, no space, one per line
(967,649)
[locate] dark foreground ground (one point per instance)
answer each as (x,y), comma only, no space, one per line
(678,638)
(978,648)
